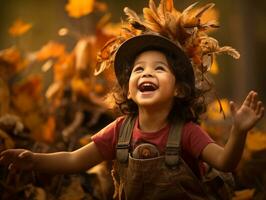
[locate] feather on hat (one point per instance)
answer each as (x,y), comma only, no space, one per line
(185,29)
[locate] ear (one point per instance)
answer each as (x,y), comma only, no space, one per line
(128,95)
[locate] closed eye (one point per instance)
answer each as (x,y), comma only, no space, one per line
(138,69)
(160,68)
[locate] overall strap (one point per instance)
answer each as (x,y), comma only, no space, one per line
(173,144)
(123,144)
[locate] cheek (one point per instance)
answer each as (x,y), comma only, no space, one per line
(131,87)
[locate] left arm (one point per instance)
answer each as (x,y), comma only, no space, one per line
(244,118)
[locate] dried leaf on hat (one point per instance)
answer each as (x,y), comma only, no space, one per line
(214,69)
(19,27)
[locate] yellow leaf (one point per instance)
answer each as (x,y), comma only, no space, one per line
(256,141)
(19,27)
(214,67)
(213,110)
(79,8)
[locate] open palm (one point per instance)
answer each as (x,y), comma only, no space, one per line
(250,112)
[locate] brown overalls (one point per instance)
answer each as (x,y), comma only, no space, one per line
(163,177)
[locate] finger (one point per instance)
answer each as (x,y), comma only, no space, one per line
(247,101)
(254,100)
(258,107)
(261,114)
(232,107)
(23,154)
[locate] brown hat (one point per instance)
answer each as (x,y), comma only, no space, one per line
(133,46)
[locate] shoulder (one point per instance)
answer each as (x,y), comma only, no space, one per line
(106,139)
(112,127)
(194,138)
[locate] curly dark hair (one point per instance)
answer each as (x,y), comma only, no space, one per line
(187,108)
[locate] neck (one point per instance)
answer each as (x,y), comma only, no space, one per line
(151,120)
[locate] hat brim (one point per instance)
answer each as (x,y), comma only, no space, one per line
(129,49)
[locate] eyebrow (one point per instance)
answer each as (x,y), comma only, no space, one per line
(157,62)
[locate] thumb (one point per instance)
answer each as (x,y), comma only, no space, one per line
(232,108)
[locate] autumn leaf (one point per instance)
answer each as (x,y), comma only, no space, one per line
(27,94)
(64,68)
(19,27)
(51,49)
(49,129)
(256,141)
(213,110)
(214,67)
(79,8)
(12,57)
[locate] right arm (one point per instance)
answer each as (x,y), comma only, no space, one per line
(59,162)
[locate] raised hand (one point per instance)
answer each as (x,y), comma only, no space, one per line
(248,114)
(17,159)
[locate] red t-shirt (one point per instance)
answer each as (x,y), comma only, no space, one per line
(193,141)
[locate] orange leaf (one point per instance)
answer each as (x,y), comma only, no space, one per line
(213,110)
(49,129)
(79,8)
(51,49)
(256,141)
(19,27)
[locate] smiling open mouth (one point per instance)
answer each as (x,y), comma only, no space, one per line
(147,87)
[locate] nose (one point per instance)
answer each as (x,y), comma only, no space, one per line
(147,73)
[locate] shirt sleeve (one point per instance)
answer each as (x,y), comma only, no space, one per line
(195,139)
(106,139)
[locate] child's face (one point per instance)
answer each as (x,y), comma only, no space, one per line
(152,82)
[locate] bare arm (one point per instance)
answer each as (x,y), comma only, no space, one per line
(60,162)
(246,117)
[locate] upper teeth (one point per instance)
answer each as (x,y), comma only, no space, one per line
(147,87)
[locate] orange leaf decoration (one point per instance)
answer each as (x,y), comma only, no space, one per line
(19,27)
(51,49)
(79,8)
